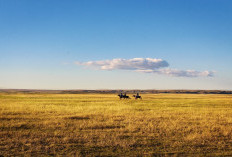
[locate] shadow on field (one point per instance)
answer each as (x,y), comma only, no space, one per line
(78,118)
(106,127)
(11,118)
(19,127)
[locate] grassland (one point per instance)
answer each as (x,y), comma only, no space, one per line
(103,125)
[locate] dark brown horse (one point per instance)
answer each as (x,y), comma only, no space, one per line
(137,96)
(123,96)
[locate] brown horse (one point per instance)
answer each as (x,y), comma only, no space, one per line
(123,96)
(137,96)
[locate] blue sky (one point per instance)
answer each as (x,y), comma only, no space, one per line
(41,40)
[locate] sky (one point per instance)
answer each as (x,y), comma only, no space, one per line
(116,44)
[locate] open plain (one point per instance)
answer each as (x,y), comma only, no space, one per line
(104,125)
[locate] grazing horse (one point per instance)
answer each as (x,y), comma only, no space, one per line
(137,96)
(123,96)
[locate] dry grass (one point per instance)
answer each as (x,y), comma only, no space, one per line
(103,125)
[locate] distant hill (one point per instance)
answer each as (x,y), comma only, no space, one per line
(114,91)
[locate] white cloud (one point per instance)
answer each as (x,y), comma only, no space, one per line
(127,64)
(145,65)
(180,73)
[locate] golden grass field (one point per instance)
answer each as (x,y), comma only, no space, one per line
(103,125)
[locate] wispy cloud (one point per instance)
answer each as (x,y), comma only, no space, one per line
(145,65)
(180,73)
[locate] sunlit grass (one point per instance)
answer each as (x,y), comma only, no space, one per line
(101,124)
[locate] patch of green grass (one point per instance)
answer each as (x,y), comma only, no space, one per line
(103,125)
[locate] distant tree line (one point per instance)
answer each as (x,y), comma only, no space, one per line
(31,91)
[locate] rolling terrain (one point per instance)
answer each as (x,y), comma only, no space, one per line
(95,124)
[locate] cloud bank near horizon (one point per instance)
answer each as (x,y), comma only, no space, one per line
(144,65)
